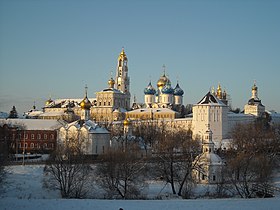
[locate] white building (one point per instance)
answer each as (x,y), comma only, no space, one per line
(210,110)
(208,165)
(93,139)
(254,105)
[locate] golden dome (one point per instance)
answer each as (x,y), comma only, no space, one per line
(162,81)
(48,102)
(126,122)
(219,91)
(111,82)
(122,55)
(85,103)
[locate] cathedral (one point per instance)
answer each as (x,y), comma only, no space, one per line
(165,96)
(110,104)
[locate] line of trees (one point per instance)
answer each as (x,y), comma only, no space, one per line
(123,172)
(253,157)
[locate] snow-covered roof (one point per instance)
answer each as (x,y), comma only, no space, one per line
(153,110)
(53,113)
(33,113)
(91,126)
(209,158)
(34,124)
(63,103)
(210,99)
(111,90)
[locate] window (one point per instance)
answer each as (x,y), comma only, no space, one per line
(52,145)
(39,136)
(104,103)
(45,136)
(203,177)
(52,136)
(26,136)
(214,178)
(32,145)
(32,136)
(25,145)
(45,145)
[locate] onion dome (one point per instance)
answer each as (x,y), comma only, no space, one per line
(178,91)
(219,91)
(111,83)
(163,80)
(49,101)
(167,89)
(122,55)
(126,122)
(149,90)
(85,103)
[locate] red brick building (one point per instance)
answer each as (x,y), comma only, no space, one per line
(29,135)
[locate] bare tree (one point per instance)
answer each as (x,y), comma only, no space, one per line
(252,157)
(68,171)
(121,174)
(147,130)
(176,152)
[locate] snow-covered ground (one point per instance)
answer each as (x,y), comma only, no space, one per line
(23,190)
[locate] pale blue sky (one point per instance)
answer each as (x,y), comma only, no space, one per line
(57,46)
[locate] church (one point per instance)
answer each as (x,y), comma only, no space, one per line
(110,104)
(161,103)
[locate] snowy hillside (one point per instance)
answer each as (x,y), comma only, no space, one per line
(23,190)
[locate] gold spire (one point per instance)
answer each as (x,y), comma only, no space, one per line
(163,80)
(219,91)
(122,55)
(111,82)
(85,103)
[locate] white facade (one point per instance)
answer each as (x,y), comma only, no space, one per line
(93,139)
(208,165)
(210,110)
(254,105)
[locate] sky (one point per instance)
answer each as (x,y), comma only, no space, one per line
(53,48)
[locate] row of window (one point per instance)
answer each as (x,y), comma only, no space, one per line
(36,145)
(39,136)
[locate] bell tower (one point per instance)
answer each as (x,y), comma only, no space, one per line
(122,78)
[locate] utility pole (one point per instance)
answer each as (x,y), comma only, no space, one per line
(23,151)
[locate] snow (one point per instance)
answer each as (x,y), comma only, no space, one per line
(34,124)
(23,189)
(268,204)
